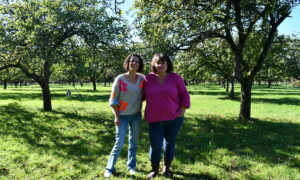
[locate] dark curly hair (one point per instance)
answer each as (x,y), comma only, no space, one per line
(128,58)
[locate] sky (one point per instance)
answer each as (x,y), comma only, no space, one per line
(290,25)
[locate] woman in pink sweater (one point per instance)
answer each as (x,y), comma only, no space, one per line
(166,101)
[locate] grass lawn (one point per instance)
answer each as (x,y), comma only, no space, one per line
(74,141)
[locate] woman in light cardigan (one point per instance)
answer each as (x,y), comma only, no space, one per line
(126,104)
(166,101)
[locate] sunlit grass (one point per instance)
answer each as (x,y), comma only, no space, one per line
(74,141)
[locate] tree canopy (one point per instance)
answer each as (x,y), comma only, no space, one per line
(36,34)
(180,25)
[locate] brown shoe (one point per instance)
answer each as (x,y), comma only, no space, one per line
(166,169)
(154,171)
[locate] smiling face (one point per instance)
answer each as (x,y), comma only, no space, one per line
(161,63)
(133,64)
(161,66)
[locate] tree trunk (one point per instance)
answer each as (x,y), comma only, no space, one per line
(269,83)
(94,84)
(186,82)
(5,84)
(43,81)
(223,84)
(231,94)
(46,95)
(227,85)
(245,108)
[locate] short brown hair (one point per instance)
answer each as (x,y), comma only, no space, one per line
(128,58)
(161,57)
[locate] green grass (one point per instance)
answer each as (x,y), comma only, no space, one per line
(74,141)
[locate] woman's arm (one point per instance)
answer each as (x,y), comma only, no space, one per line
(117,116)
(114,101)
(183,95)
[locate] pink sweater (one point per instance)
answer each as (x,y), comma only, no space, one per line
(163,101)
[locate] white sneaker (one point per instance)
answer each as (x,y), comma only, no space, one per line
(107,174)
(132,171)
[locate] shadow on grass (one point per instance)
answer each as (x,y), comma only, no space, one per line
(85,138)
(55,132)
(262,141)
(279,101)
(20,96)
(56,96)
(278,90)
(224,93)
(278,87)
(83,97)
(194,176)
(210,93)
(62,90)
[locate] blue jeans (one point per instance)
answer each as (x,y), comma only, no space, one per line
(133,121)
(163,134)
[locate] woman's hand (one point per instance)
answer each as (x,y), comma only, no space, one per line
(116,113)
(182,111)
(117,121)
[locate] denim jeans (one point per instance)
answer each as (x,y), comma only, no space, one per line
(163,134)
(133,121)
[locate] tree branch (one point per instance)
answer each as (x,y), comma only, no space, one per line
(7,66)
(268,43)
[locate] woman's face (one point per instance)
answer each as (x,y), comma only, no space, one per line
(161,66)
(134,64)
